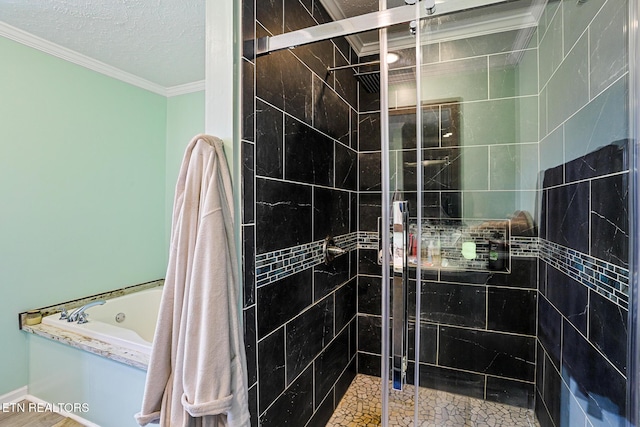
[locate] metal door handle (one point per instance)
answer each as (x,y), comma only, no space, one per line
(399,309)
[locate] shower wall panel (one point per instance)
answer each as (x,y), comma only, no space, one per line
(583,301)
(299,183)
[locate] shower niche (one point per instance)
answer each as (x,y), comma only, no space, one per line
(453,244)
(449,240)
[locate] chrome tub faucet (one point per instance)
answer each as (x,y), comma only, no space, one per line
(79,315)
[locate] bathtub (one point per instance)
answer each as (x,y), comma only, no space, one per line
(127,322)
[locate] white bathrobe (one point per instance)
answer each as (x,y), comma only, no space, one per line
(197,373)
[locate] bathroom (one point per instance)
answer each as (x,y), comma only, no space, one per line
(308,334)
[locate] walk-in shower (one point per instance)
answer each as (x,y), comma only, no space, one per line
(479,185)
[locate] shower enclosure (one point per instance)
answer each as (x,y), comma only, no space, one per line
(479,183)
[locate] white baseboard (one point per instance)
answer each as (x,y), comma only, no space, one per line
(14,396)
(74,417)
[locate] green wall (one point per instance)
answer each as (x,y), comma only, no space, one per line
(185,119)
(112,391)
(83,186)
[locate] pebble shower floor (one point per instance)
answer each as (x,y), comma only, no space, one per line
(361,407)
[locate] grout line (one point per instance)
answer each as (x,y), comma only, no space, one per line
(550,131)
(564,184)
(581,335)
(468,328)
(309,366)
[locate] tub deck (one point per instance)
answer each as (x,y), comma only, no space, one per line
(132,358)
(128,357)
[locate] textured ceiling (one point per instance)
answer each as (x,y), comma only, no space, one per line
(159,40)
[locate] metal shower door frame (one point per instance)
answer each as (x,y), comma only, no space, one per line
(381,19)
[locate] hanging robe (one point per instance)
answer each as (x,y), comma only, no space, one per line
(197,371)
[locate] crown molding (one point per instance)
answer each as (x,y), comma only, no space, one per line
(185,88)
(72,56)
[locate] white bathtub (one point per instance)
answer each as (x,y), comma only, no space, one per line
(135,332)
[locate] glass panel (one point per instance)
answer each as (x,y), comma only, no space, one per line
(523,161)
(395,294)
(404,188)
(511,148)
(478,96)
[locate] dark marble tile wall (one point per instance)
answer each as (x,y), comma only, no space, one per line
(582,348)
(582,335)
(588,212)
(299,184)
(478,331)
(582,327)
(483,343)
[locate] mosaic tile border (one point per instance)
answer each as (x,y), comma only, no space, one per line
(347,242)
(276,265)
(527,247)
(368,240)
(609,280)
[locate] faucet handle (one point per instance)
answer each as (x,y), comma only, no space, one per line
(82,318)
(64,314)
(330,250)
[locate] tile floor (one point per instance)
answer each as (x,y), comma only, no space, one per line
(361,407)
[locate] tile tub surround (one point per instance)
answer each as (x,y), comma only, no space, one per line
(361,406)
(128,357)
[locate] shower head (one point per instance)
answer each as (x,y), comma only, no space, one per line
(369,80)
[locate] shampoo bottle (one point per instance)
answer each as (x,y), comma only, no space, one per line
(497,252)
(430,251)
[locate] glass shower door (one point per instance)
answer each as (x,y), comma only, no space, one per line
(463,153)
